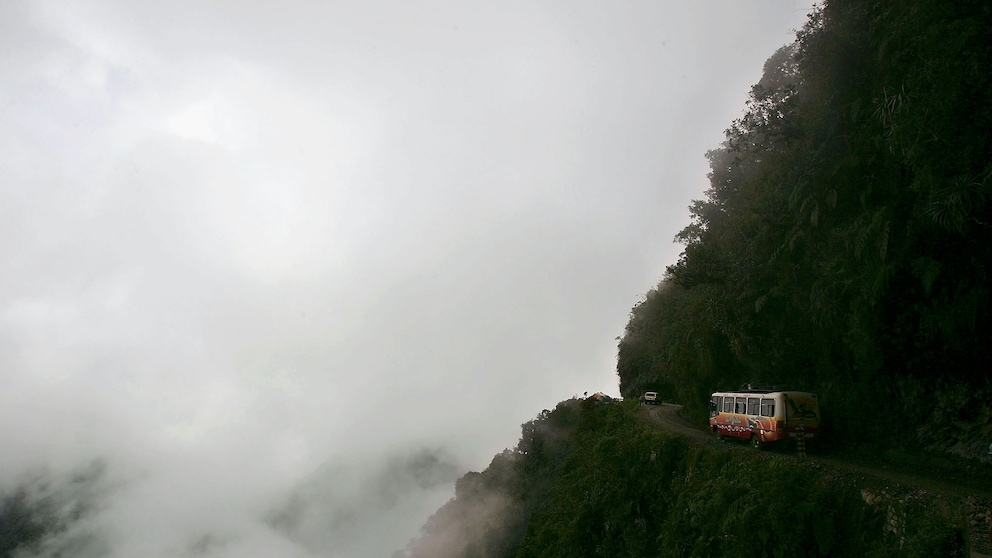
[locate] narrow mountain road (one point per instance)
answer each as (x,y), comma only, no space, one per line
(666,417)
(977,499)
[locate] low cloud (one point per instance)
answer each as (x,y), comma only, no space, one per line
(351,508)
(244,245)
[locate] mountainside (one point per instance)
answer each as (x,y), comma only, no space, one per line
(844,244)
(843,248)
(592,479)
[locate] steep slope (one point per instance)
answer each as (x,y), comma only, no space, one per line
(591,479)
(844,245)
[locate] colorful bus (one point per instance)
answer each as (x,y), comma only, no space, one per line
(764,414)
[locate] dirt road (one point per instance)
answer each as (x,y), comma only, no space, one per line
(977,500)
(666,417)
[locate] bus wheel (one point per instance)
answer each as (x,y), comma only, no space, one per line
(756,442)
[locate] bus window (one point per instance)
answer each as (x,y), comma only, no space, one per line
(728,404)
(767,407)
(715,404)
(752,405)
(740,405)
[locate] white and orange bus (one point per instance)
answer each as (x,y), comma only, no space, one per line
(764,414)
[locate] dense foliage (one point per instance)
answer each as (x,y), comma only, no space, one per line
(490,511)
(844,243)
(843,247)
(589,479)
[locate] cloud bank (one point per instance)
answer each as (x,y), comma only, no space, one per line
(241,243)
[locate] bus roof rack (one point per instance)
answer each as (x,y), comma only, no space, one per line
(758,387)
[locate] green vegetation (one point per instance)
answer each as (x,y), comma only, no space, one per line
(843,246)
(590,479)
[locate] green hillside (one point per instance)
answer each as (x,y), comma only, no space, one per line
(843,246)
(590,479)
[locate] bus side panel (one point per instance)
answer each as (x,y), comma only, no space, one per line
(776,422)
(764,428)
(731,424)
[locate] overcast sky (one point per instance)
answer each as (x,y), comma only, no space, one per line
(245,240)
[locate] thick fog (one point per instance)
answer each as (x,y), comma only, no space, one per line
(274,274)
